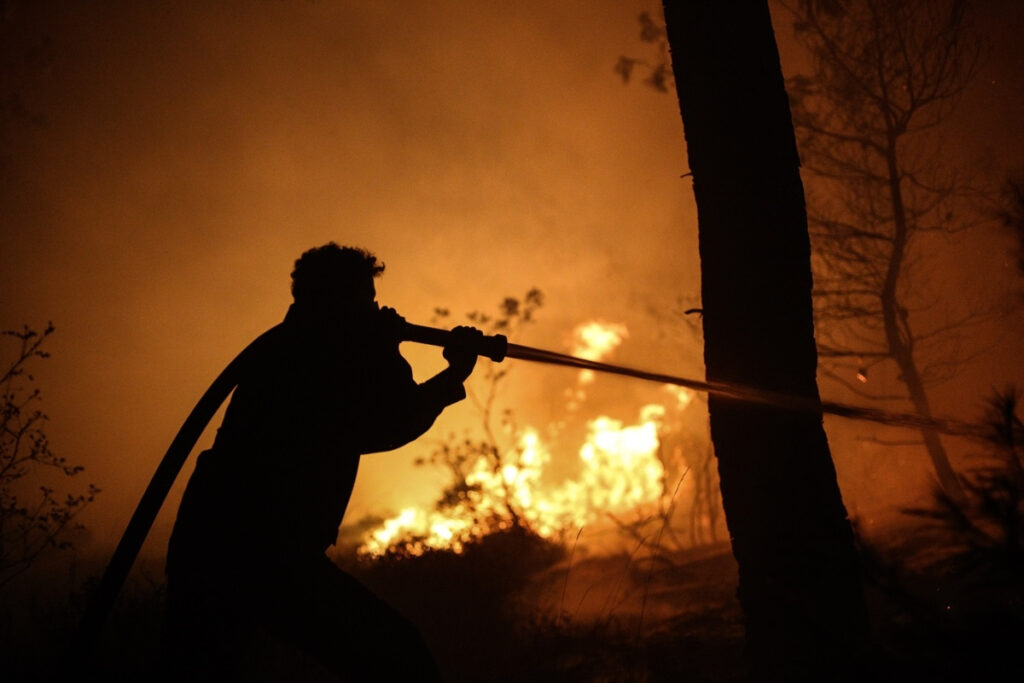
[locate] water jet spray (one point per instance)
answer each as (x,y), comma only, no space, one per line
(497,348)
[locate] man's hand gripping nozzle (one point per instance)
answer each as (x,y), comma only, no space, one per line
(494,347)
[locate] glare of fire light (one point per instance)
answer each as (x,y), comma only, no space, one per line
(622,470)
(594,340)
(619,471)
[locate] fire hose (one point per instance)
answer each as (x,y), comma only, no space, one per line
(497,348)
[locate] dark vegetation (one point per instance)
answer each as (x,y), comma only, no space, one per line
(988,531)
(1010,212)
(39,504)
(515,608)
(496,442)
(885,194)
(34,515)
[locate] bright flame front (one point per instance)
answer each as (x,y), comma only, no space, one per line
(619,471)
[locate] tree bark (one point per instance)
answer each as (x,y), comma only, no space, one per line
(799,574)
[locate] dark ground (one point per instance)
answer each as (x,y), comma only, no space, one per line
(516,609)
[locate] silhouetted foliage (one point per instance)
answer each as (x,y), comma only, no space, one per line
(988,530)
(657,67)
(466,604)
(948,600)
(1010,212)
(684,322)
(31,522)
(459,454)
(884,77)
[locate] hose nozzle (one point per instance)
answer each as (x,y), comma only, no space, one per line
(494,347)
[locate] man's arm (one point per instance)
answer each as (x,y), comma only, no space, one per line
(403,411)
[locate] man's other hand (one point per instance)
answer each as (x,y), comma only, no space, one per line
(461,350)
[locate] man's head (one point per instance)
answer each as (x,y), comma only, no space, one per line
(337,279)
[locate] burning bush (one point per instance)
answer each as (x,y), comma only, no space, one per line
(494,492)
(499,475)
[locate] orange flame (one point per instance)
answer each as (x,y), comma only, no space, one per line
(592,340)
(683,395)
(619,471)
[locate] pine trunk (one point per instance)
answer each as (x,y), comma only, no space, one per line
(799,575)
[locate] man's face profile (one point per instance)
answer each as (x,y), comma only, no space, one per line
(361,301)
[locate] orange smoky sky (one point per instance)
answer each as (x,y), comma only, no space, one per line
(166,162)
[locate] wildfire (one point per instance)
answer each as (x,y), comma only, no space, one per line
(621,467)
(592,340)
(595,340)
(619,471)
(682,394)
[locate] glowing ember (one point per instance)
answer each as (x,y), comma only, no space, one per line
(619,471)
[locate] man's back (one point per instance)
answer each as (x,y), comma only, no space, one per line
(279,476)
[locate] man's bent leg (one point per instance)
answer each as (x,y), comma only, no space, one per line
(206,633)
(332,617)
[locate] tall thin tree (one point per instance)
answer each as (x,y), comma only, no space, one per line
(799,579)
(884,77)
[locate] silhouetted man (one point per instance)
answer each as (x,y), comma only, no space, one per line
(265,502)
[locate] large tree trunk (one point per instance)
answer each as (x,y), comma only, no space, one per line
(799,576)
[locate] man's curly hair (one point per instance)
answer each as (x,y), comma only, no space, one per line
(327,272)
